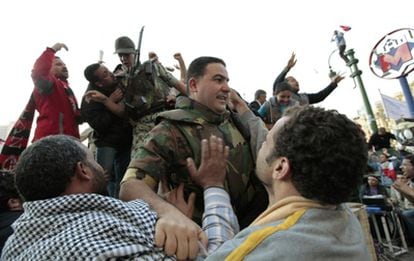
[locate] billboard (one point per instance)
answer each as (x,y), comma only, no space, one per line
(393,56)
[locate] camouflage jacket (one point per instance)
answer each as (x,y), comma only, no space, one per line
(146,90)
(178,136)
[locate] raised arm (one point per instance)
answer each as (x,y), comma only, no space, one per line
(42,76)
(219,220)
(281,77)
(321,95)
(171,80)
(251,122)
(181,66)
(176,232)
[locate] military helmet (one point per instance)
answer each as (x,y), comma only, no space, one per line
(124,45)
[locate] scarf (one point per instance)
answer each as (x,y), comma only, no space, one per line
(18,137)
(84,227)
(286,207)
(291,209)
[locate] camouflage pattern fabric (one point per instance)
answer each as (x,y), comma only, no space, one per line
(145,96)
(178,136)
(146,91)
(140,130)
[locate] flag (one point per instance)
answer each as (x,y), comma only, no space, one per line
(345,28)
(394,108)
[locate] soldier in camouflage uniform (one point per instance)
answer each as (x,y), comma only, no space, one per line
(147,89)
(178,136)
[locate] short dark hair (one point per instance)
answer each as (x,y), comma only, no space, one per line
(283,86)
(7,189)
(259,93)
(198,66)
(327,154)
(45,168)
(410,157)
(89,72)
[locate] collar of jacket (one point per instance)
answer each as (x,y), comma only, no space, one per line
(199,110)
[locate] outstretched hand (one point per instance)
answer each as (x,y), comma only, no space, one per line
(212,170)
(176,197)
(58,46)
(292,61)
(337,78)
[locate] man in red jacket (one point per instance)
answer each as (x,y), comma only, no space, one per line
(53,98)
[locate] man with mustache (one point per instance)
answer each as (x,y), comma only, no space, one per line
(163,157)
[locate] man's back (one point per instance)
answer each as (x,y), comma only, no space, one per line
(380,141)
(319,234)
(83,226)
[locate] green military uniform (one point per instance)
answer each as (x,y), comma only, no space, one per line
(178,136)
(147,92)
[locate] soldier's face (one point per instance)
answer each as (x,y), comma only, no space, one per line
(212,89)
(127,59)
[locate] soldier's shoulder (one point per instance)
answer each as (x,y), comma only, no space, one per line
(179,115)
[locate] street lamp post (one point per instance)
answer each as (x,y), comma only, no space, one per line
(356,75)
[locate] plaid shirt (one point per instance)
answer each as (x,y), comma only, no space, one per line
(84,227)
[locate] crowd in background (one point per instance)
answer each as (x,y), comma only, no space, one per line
(191,150)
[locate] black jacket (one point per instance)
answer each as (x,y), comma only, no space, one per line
(110,130)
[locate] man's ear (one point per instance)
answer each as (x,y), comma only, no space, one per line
(14,204)
(192,85)
(82,171)
(281,169)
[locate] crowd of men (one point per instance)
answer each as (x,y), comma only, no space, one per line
(197,173)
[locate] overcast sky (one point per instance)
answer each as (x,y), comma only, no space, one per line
(255,38)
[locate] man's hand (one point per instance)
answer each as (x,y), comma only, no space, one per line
(178,234)
(237,103)
(176,198)
(337,78)
(212,170)
(96,96)
(401,186)
(178,57)
(292,61)
(175,232)
(58,46)
(116,95)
